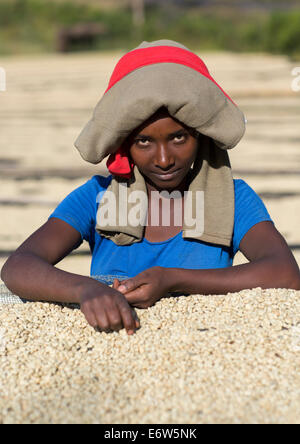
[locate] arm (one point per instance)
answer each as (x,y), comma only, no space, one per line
(271,265)
(30,273)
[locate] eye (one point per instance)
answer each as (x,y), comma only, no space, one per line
(180,138)
(142,142)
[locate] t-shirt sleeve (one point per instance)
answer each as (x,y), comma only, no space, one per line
(249,210)
(78,208)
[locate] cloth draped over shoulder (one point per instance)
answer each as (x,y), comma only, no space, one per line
(166,74)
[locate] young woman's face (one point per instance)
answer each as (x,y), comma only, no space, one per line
(163,150)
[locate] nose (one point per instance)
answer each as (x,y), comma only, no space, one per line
(164,159)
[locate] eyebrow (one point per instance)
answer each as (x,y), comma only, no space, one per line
(174,134)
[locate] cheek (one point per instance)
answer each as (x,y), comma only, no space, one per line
(133,154)
(139,158)
(191,152)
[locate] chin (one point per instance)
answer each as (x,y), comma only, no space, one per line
(168,184)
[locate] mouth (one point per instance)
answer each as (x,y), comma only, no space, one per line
(167,176)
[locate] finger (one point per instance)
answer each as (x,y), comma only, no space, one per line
(102,319)
(130,284)
(136,296)
(114,318)
(116,283)
(90,317)
(127,316)
(136,319)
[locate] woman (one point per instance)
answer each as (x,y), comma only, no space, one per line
(166,126)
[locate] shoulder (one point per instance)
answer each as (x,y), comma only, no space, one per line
(249,210)
(241,187)
(98,183)
(101,181)
(87,193)
(79,207)
(91,188)
(245,196)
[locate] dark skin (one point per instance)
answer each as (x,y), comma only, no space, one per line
(160,146)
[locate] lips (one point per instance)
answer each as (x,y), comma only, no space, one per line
(167,176)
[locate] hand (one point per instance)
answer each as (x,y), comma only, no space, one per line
(143,290)
(107,308)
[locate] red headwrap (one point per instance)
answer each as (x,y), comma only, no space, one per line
(119,163)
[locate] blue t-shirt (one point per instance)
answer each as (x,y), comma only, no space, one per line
(79,210)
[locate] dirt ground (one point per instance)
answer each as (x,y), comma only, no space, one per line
(49,98)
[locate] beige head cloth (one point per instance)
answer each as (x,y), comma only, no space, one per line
(169,76)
